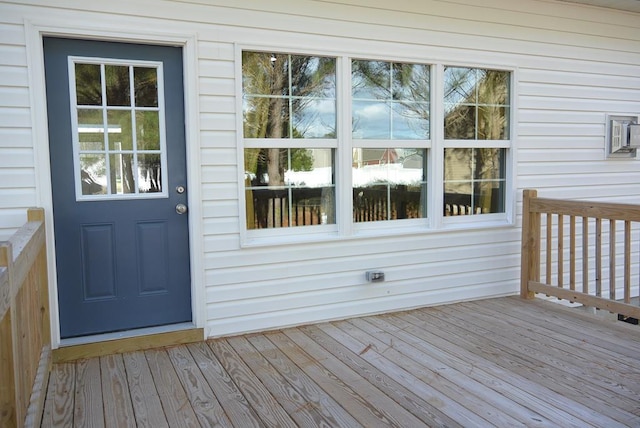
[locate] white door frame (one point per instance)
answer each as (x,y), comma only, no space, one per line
(35,31)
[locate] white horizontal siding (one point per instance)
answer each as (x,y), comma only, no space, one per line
(17,167)
(574,65)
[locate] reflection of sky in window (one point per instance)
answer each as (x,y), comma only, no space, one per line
(315,119)
(371,120)
(387,105)
(386,120)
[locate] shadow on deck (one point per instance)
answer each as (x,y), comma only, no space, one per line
(498,362)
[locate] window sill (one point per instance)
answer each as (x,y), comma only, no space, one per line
(378,230)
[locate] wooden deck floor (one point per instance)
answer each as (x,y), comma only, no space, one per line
(499,362)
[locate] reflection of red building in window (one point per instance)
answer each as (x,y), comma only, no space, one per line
(377,157)
(389,156)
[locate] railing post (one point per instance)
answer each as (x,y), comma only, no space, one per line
(9,394)
(35,214)
(530,256)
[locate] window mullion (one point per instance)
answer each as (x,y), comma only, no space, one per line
(344,179)
(436,172)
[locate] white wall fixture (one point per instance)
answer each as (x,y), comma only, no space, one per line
(623,136)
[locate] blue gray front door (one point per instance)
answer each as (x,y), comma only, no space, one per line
(118,174)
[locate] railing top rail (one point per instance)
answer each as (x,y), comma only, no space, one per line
(604,210)
(21,238)
(17,253)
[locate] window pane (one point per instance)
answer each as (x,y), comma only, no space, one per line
(390,100)
(118,87)
(458,164)
(457,198)
(459,122)
(313,118)
(122,180)
(474,181)
(289,187)
(90,129)
(410,121)
(265,73)
(119,129)
(148,130)
(146,86)
(411,82)
(371,80)
(489,164)
(493,123)
(313,76)
(371,120)
(93,174)
(288,96)
(265,117)
(388,184)
(149,173)
(88,84)
(459,85)
(476,104)
(493,87)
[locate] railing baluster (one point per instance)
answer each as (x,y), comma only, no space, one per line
(599,257)
(549,242)
(560,250)
(612,259)
(585,255)
(627,261)
(572,252)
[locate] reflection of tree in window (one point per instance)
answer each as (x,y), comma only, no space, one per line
(400,89)
(476,108)
(88,85)
(284,97)
(476,104)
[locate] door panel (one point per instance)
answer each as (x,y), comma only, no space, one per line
(117,152)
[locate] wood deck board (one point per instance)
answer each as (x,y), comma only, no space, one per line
(235,405)
(456,388)
(368,405)
(118,407)
(144,396)
(174,399)
(406,398)
(604,371)
(585,401)
(499,362)
(88,409)
(516,387)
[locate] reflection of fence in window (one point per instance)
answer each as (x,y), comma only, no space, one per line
(274,208)
(383,203)
(478,203)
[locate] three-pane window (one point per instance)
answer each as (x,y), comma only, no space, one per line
(292,108)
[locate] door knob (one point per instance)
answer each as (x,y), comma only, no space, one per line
(181,208)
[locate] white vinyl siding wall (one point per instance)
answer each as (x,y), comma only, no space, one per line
(573,65)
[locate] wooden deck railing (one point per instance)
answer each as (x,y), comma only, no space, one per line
(25,338)
(600,239)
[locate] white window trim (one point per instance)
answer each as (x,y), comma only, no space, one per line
(345,227)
